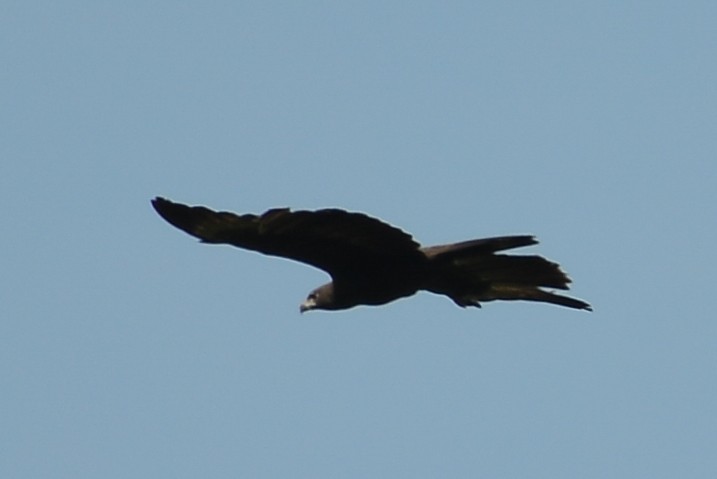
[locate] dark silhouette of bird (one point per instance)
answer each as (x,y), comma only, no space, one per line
(373,263)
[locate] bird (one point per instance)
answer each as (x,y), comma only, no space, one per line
(373,263)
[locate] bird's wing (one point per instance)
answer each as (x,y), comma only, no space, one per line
(337,241)
(479,246)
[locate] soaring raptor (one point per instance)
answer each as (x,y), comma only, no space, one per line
(373,263)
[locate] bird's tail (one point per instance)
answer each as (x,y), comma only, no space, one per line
(507,291)
(471,273)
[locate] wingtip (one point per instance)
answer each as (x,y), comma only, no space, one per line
(172,212)
(159,202)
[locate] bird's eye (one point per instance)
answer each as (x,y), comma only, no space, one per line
(313,296)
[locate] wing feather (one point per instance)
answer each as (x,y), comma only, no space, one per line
(334,240)
(479,246)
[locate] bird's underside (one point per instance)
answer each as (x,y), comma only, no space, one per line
(373,263)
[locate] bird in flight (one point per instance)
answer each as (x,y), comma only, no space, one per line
(372,263)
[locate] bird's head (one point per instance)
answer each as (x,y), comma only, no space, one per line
(320,298)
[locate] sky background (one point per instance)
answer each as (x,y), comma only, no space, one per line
(127,349)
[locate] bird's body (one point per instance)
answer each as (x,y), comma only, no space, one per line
(373,263)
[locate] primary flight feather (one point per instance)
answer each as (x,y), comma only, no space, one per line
(372,263)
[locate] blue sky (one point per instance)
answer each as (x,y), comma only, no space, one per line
(129,350)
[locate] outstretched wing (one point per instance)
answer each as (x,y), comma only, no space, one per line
(337,241)
(479,246)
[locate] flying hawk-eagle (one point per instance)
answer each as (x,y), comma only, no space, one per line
(373,263)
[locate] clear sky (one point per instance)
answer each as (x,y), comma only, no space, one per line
(128,350)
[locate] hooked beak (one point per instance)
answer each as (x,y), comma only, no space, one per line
(307,305)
